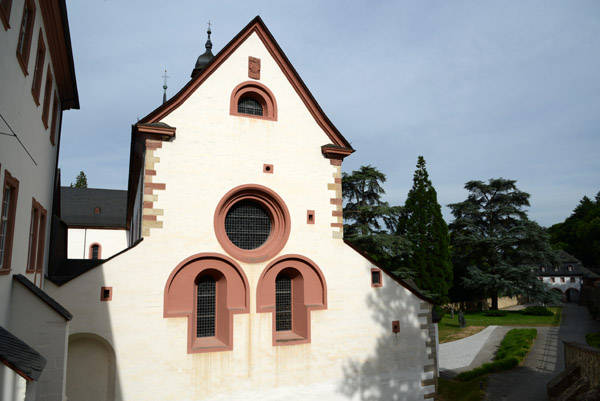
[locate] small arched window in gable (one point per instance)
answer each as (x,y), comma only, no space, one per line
(253,99)
(248,105)
(206,302)
(95,251)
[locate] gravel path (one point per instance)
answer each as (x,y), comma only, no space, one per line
(461,353)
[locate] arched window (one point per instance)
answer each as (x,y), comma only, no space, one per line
(206,301)
(253,99)
(283,302)
(95,251)
(208,289)
(290,288)
(247,105)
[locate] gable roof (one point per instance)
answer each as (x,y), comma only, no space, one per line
(78,206)
(255,26)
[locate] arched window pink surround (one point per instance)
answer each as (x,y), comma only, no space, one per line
(272,204)
(232,297)
(258,92)
(309,292)
(91,254)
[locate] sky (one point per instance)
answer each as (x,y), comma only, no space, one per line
(480,89)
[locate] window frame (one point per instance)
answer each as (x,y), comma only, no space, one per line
(25,34)
(309,292)
(91,251)
(9,229)
(38,69)
(232,297)
(379,282)
(37,237)
(5,7)
(258,92)
(54,121)
(273,205)
(47,94)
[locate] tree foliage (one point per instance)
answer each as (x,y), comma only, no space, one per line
(495,245)
(421,222)
(80,181)
(579,234)
(369,222)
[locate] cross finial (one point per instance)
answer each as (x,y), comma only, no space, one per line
(209,24)
(165,87)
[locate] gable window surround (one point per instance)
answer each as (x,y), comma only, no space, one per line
(95,251)
(254,100)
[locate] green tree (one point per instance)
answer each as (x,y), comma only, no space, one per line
(496,245)
(579,234)
(421,223)
(369,222)
(80,181)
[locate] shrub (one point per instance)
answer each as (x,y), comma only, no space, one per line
(537,311)
(492,312)
(593,339)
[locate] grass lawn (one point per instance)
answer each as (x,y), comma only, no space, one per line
(472,390)
(477,321)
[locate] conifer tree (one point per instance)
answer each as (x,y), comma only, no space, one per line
(496,245)
(369,222)
(80,181)
(421,222)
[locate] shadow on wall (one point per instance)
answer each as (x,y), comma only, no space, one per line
(394,371)
(92,372)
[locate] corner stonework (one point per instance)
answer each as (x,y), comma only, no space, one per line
(431,368)
(150,214)
(337,223)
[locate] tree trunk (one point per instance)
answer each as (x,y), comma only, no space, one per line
(494,297)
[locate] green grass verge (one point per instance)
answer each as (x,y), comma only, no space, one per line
(512,351)
(593,339)
(452,390)
(449,330)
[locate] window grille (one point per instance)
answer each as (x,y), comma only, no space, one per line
(247,225)
(283,303)
(205,307)
(247,105)
(375,277)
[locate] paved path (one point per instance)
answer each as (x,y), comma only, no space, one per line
(545,360)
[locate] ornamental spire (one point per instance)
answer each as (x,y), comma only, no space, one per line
(165,87)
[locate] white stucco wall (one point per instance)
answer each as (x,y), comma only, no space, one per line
(353,352)
(35,173)
(112,241)
(563,287)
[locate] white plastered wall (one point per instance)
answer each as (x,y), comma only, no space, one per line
(112,241)
(353,351)
(34,171)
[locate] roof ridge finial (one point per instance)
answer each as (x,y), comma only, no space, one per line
(208,45)
(165,87)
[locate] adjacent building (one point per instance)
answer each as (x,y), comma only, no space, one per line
(38,84)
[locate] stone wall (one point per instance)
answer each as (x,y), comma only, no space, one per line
(588,359)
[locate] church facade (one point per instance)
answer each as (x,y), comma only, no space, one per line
(237,283)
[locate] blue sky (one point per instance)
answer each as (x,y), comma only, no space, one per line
(481,89)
